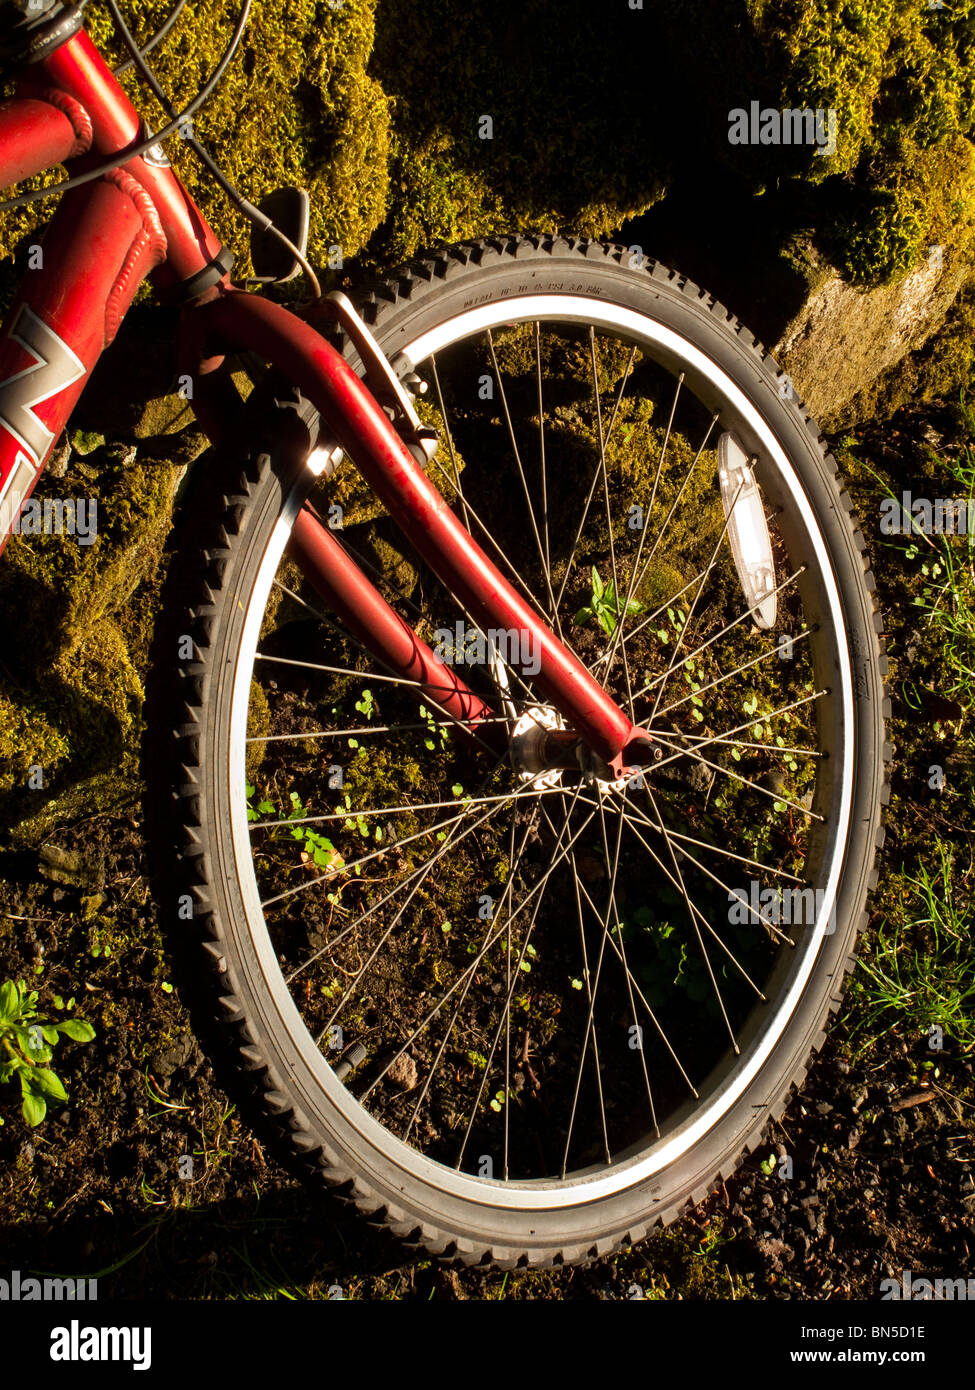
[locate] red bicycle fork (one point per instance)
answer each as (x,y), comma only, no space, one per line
(364,432)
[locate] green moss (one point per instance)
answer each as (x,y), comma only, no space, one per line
(27,738)
(57,589)
(71,698)
(386,556)
(927,199)
(78,724)
(258,725)
(436,200)
(884,241)
(86,441)
(829,54)
(515,132)
(901,80)
(380,111)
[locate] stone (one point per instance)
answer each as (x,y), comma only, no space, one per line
(844,338)
(69,867)
(403,1073)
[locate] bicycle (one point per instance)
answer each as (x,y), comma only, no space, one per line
(519,713)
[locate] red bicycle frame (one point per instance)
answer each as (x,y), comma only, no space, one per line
(138,220)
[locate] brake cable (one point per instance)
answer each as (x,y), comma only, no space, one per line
(243,205)
(157,37)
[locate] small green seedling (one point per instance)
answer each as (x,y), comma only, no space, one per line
(317,849)
(604,606)
(367,704)
(27,1040)
(435,732)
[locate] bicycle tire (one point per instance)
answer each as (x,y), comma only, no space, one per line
(219,558)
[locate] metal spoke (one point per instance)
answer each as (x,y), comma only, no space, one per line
(746,781)
(344,671)
(350,813)
(368,730)
(634,568)
(541,459)
(451,842)
(631,826)
(521,473)
(697,930)
(651,617)
(609,512)
(619,395)
(585,977)
(726,676)
(513,977)
(493,655)
(661,829)
(468,729)
(622,943)
(327,622)
(692,656)
(428,868)
(398,844)
(474,964)
(514,860)
(450,443)
(683,632)
(633,981)
(663,530)
(773,748)
(703,740)
(740,858)
(488,536)
(604,924)
(592,487)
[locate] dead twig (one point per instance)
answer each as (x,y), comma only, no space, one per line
(523,1062)
(915,1098)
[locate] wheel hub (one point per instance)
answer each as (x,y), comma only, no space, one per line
(530,748)
(542,748)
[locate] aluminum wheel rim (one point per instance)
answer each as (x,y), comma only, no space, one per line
(596,1183)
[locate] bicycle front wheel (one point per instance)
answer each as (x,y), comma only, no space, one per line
(519,1012)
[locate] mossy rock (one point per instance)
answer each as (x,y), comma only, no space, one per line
(57,588)
(925,198)
(77,726)
(509,125)
(27,739)
(413,124)
(900,78)
(845,337)
(937,371)
(71,698)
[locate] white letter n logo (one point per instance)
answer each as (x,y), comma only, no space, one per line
(54,369)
